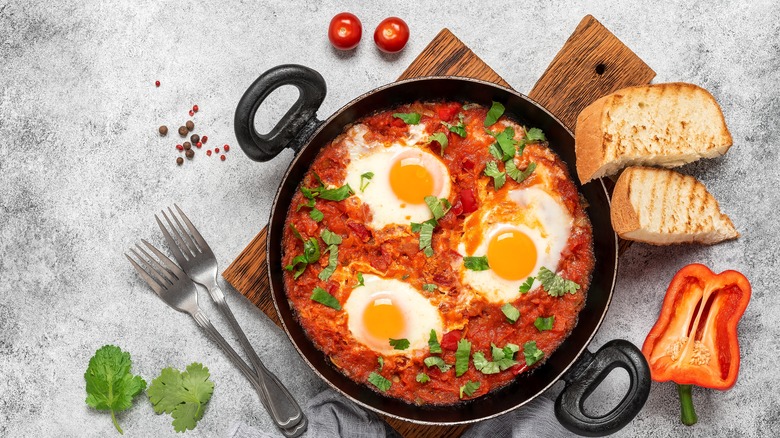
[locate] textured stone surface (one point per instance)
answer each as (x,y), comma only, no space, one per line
(82,170)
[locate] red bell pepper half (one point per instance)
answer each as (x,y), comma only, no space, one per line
(694,341)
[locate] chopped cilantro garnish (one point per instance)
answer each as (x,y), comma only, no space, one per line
(426,238)
(441,138)
(337,194)
(476,263)
(543,324)
(495,112)
(399,344)
(469,388)
(496,152)
(330,238)
(316,215)
(381,361)
(433,343)
(503,358)
(322,296)
(437,362)
(506,141)
(554,284)
(527,285)
(416,227)
(519,175)
(438,207)
(499,177)
(483,365)
(360,280)
(311,253)
(422,378)
(459,129)
(296,233)
(409,118)
(532,353)
(333,261)
(534,134)
(365,180)
(429,287)
(380,382)
(462,355)
(511,312)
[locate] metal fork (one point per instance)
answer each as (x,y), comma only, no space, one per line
(173,286)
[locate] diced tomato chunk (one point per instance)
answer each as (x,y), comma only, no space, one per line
(468,200)
(467,165)
(449,341)
(360,230)
(447,111)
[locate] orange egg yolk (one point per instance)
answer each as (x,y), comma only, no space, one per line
(382,319)
(511,254)
(411,181)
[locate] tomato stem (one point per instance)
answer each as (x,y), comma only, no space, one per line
(687,413)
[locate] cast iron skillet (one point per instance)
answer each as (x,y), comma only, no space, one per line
(582,371)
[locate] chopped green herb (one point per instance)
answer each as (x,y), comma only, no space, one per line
(438,207)
(381,361)
(416,227)
(469,388)
(462,355)
(316,215)
(472,105)
(532,353)
(499,178)
(404,277)
(337,194)
(365,180)
(428,252)
(399,344)
(495,112)
(333,261)
(423,378)
(330,238)
(543,324)
(433,343)
(496,152)
(426,238)
(511,312)
(429,287)
(296,233)
(441,138)
(476,263)
(110,385)
(554,284)
(518,175)
(182,394)
(503,358)
(527,285)
(360,280)
(322,296)
(459,129)
(506,141)
(483,365)
(534,134)
(311,253)
(380,382)
(437,362)
(409,118)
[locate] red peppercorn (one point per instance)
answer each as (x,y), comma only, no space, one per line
(195,108)
(222,157)
(226,147)
(216,150)
(204,139)
(179,147)
(199,144)
(156,83)
(191,113)
(208,152)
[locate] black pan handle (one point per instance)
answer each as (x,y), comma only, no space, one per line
(589,371)
(295,127)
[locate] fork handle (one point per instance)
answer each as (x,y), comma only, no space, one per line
(290,426)
(286,405)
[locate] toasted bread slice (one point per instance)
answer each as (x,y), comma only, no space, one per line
(664,125)
(662,207)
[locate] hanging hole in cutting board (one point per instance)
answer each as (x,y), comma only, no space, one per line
(600,69)
(607,394)
(276,104)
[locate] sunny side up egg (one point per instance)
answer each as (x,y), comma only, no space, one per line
(385,309)
(519,234)
(394,179)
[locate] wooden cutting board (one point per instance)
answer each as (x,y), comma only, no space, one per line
(591,64)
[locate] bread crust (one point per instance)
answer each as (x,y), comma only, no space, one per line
(588,139)
(624,218)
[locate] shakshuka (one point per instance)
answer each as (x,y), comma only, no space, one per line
(436,250)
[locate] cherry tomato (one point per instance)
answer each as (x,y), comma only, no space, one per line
(345,31)
(391,35)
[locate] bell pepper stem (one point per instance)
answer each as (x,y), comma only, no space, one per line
(687,413)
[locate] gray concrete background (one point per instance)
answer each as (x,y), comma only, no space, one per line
(82,171)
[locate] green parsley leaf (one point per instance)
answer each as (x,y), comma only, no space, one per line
(416,227)
(516,174)
(337,194)
(438,207)
(380,382)
(495,112)
(462,355)
(476,263)
(409,118)
(511,312)
(506,141)
(333,261)
(316,215)
(483,365)
(429,287)
(365,180)
(503,359)
(532,353)
(459,129)
(441,138)
(554,284)
(426,238)
(499,178)
(330,238)
(422,378)
(182,394)
(534,134)
(399,344)
(433,343)
(110,385)
(322,296)
(527,285)
(438,362)
(469,388)
(381,361)
(510,350)
(496,152)
(360,280)
(543,324)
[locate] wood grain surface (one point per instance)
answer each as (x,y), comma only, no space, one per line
(591,64)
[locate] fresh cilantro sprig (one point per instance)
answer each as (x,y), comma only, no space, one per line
(110,385)
(409,118)
(527,285)
(422,378)
(494,113)
(322,296)
(462,355)
(504,150)
(503,359)
(517,174)
(532,353)
(182,394)
(433,343)
(459,128)
(319,191)
(438,208)
(311,253)
(437,362)
(469,388)
(441,138)
(499,177)
(429,287)
(360,281)
(554,284)
(333,240)
(476,263)
(399,344)
(511,312)
(365,180)
(543,324)
(380,382)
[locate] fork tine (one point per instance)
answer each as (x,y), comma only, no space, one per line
(172,244)
(159,268)
(179,240)
(152,277)
(184,232)
(201,241)
(166,261)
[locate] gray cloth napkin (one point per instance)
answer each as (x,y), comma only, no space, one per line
(333,416)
